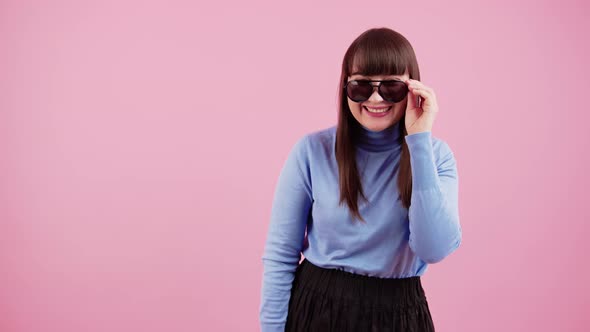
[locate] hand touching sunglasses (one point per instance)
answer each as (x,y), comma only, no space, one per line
(420,113)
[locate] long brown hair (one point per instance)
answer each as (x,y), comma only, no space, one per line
(377,51)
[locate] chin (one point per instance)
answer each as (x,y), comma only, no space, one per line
(377,127)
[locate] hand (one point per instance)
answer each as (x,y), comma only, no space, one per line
(419,118)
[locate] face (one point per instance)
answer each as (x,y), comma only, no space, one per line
(376,121)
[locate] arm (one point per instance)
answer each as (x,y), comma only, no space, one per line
(435,231)
(282,252)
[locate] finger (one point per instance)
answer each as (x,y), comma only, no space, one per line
(411,100)
(418,84)
(414,82)
(427,97)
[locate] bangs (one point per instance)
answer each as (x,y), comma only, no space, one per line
(379,57)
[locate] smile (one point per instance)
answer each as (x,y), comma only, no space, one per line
(377,110)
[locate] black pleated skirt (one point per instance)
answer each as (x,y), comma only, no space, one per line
(329,300)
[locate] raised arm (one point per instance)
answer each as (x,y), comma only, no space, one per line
(435,230)
(282,252)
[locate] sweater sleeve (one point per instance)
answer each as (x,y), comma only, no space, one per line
(282,252)
(435,230)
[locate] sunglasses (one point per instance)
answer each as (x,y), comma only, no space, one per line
(390,90)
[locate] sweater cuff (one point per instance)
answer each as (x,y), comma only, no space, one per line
(272,327)
(422,161)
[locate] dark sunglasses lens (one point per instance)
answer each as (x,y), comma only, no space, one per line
(359,91)
(393,91)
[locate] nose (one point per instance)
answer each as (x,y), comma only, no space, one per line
(375,96)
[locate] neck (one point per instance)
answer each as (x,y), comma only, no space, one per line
(377,141)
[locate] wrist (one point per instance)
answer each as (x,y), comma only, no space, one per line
(417,132)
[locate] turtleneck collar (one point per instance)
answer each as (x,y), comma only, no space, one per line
(378,141)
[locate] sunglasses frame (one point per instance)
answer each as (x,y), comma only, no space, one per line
(378,86)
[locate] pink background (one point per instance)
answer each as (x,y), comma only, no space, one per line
(141,143)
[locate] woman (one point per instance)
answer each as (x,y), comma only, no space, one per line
(378,196)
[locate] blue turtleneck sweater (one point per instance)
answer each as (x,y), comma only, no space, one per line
(395,242)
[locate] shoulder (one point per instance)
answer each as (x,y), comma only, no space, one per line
(316,141)
(310,146)
(322,137)
(304,151)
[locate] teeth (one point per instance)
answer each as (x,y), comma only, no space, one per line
(374,110)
